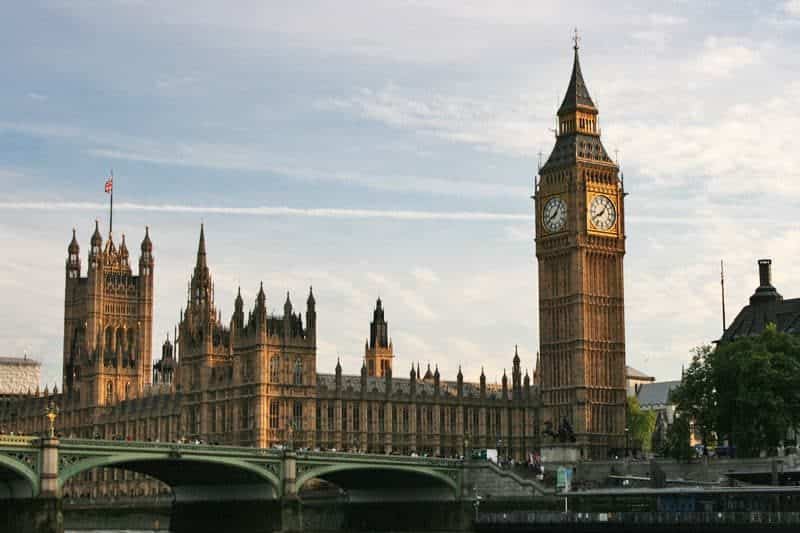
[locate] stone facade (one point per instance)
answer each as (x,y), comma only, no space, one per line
(19,375)
(253,380)
(580,244)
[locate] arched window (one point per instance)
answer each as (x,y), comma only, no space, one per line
(109,392)
(298,372)
(274,369)
(128,390)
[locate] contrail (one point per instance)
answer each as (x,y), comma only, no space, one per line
(268,211)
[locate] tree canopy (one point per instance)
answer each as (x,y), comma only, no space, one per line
(745,390)
(640,425)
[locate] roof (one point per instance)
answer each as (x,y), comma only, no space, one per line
(570,148)
(19,361)
(577,93)
(402,386)
(766,306)
(753,318)
(656,394)
(631,372)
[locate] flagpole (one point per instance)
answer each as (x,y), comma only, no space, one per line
(111,207)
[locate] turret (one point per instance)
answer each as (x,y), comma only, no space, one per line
(123,251)
(338,377)
(287,317)
(388,381)
(505,385)
(483,384)
(146,257)
(460,382)
(73,258)
(378,350)
(311,316)
(238,310)
(96,242)
(363,378)
(412,382)
(436,377)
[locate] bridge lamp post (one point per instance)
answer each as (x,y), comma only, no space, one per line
(51,412)
(627,435)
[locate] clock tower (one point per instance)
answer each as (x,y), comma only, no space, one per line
(580,244)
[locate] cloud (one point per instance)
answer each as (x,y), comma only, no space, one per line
(792,8)
(37,97)
(425,275)
(265,211)
(721,57)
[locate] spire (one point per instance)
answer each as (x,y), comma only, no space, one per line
(338,366)
(123,248)
(311,301)
(73,248)
(516,355)
(147,245)
(460,375)
(201,249)
(261,298)
(97,239)
(287,306)
(577,93)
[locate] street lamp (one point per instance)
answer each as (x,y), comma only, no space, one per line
(51,412)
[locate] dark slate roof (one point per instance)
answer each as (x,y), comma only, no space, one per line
(766,306)
(577,93)
(402,386)
(570,148)
(656,394)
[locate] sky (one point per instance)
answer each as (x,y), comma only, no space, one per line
(389,149)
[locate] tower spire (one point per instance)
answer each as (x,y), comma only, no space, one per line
(577,94)
(201,248)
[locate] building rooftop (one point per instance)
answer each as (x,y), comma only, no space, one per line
(656,394)
(4,360)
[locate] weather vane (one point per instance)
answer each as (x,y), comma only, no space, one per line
(576,39)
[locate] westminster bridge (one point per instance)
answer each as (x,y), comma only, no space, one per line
(262,485)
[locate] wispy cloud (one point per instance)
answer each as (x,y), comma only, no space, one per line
(266,211)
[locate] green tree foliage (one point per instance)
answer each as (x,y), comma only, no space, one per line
(677,441)
(640,425)
(746,390)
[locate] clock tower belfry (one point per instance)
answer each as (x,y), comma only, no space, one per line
(580,244)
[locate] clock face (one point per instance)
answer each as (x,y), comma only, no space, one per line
(554,214)
(602,213)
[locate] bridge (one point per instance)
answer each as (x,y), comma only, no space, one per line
(204,477)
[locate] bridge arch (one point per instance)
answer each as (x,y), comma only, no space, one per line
(365,481)
(191,477)
(17,479)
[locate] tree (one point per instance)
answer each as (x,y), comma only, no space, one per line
(696,397)
(640,425)
(745,390)
(677,441)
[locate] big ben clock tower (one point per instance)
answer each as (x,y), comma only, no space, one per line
(580,244)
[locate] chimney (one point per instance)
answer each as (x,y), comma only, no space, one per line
(765,293)
(765,272)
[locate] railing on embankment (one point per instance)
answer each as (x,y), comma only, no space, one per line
(637,521)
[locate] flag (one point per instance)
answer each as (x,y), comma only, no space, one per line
(110,185)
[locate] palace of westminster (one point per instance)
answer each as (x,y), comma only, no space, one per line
(253,380)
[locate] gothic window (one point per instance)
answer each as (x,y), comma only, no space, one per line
(381,419)
(128,390)
(274,413)
(429,419)
(453,419)
(297,415)
(109,392)
(356,418)
(475,421)
(318,418)
(298,372)
(369,418)
(442,425)
(394,419)
(371,367)
(196,421)
(331,417)
(274,368)
(405,419)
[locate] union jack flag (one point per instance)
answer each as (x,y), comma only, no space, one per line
(110,185)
